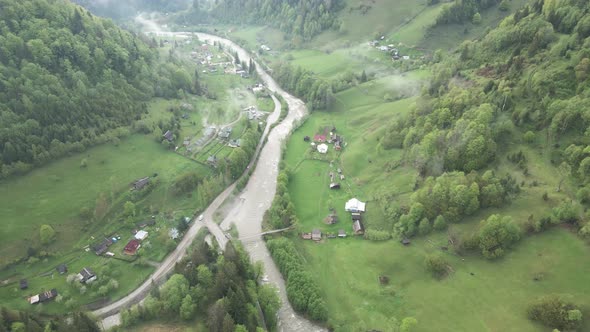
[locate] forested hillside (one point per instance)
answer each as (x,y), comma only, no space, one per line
(527,82)
(67,78)
(301,18)
(125,9)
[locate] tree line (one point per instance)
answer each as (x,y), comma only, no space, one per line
(70,80)
(21,321)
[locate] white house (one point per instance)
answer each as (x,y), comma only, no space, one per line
(354,205)
(141,235)
(322,148)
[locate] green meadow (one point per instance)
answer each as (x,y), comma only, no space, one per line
(478,295)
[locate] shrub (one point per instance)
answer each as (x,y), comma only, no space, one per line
(440,223)
(554,311)
(436,265)
(497,235)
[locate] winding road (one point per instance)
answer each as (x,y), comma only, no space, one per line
(246,213)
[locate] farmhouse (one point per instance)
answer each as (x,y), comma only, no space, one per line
(357,227)
(354,205)
(43,297)
(234,143)
(141,235)
(319,138)
(102,247)
(334,185)
(316,235)
(341,233)
(225,132)
(306,236)
(86,276)
(322,148)
(62,268)
(131,247)
(139,184)
(168,135)
(212,160)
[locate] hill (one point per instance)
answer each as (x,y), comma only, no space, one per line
(68,79)
(485,172)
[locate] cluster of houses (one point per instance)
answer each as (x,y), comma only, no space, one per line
(356,209)
(85,276)
(321,141)
(391,49)
(134,244)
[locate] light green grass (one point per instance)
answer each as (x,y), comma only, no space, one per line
(495,298)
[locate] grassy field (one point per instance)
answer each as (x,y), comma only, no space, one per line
(478,295)
(494,298)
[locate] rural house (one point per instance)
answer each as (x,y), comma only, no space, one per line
(131,247)
(212,160)
(234,143)
(316,235)
(319,138)
(354,205)
(139,184)
(357,228)
(43,297)
(168,135)
(102,247)
(225,132)
(141,235)
(322,148)
(86,276)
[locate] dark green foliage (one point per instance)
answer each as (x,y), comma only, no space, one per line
(186,182)
(26,321)
(223,288)
(303,292)
(496,235)
(304,84)
(69,80)
(302,18)
(554,311)
(463,11)
(437,266)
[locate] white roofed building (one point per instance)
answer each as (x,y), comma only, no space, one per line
(354,205)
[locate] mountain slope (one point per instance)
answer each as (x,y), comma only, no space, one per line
(66,79)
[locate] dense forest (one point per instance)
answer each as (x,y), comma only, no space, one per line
(222,289)
(15,321)
(69,80)
(526,81)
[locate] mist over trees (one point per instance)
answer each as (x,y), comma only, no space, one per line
(119,10)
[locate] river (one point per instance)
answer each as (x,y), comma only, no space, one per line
(247,211)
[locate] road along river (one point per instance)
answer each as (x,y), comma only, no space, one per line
(247,212)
